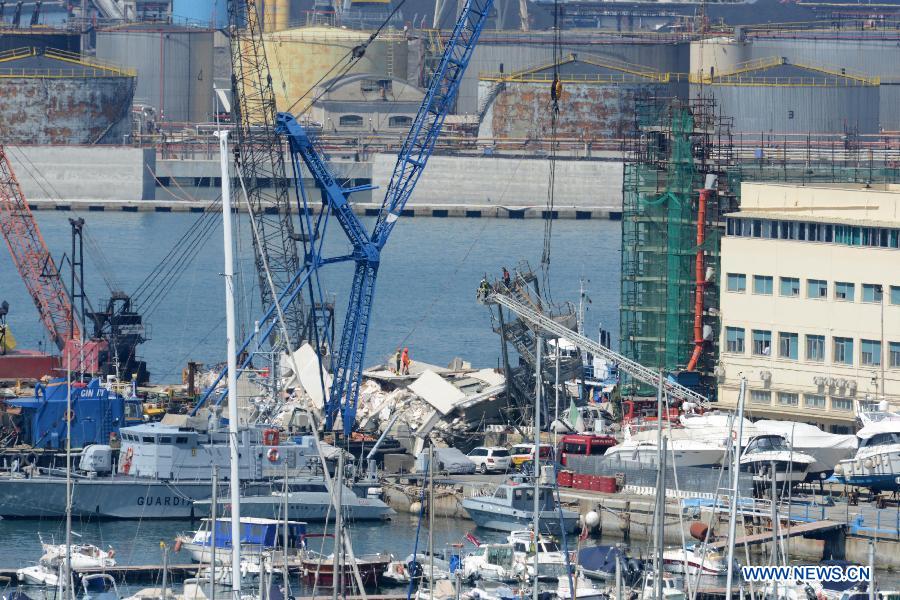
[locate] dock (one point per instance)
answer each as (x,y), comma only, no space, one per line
(805,529)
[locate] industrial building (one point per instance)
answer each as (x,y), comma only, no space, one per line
(810,301)
(366,103)
(775,95)
(49,96)
(668,304)
(174,67)
(597,101)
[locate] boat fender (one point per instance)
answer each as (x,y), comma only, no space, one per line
(178,545)
(272,455)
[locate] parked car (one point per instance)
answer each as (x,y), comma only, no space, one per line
(522,453)
(490,458)
(446,460)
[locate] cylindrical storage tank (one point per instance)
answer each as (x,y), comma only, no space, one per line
(299,58)
(174,67)
(772,96)
(564,478)
(206,13)
(515,51)
(54,97)
(717,55)
(597,100)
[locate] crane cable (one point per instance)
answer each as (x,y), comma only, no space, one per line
(555,97)
(354,55)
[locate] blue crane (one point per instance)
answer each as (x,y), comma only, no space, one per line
(347,363)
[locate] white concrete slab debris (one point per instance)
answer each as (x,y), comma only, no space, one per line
(307,362)
(436,391)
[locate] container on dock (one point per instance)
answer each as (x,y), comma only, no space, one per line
(564,478)
(605,484)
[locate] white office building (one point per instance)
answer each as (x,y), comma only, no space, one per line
(810,301)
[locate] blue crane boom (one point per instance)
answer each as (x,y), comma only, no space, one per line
(347,365)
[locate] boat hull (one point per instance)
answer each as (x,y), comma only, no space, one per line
(107,498)
(877,468)
(320,572)
(314,508)
(515,520)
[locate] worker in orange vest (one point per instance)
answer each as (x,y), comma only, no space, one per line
(404,361)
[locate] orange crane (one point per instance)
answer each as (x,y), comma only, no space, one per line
(33,260)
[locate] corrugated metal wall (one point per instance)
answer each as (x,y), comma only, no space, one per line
(36,110)
(174,68)
(797,109)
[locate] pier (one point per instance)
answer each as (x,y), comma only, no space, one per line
(805,530)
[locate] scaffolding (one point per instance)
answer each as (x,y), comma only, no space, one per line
(672,148)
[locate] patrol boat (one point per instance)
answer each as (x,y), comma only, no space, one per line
(511,507)
(161,470)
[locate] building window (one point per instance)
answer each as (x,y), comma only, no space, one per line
(895,294)
(762,284)
(350,121)
(843,350)
(870,353)
(840,429)
(817,289)
(734,339)
(894,350)
(841,404)
(843,291)
(788,399)
(871,292)
(760,397)
(737,282)
(762,342)
(790,287)
(815,348)
(813,401)
(399,121)
(787,345)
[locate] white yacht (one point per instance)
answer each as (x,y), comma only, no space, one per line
(642,447)
(695,559)
(876,464)
(493,562)
(826,448)
(767,452)
(584,588)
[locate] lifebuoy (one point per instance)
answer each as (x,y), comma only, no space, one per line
(272,455)
(69,415)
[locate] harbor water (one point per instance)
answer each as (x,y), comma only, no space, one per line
(425,297)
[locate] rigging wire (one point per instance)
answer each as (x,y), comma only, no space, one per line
(555,96)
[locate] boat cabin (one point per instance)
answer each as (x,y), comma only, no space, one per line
(521,497)
(263,534)
(767,443)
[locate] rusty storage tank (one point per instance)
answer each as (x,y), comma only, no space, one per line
(774,95)
(300,57)
(597,101)
(49,96)
(174,67)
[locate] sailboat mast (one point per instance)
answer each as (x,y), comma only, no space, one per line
(538,376)
(67,583)
(735,467)
(232,368)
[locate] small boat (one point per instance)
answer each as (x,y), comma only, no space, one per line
(318,570)
(550,558)
(770,451)
(492,590)
(584,588)
(39,575)
(84,556)
(876,464)
(257,536)
(418,567)
(511,507)
(599,562)
(642,448)
(695,559)
(828,449)
(99,586)
(493,562)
